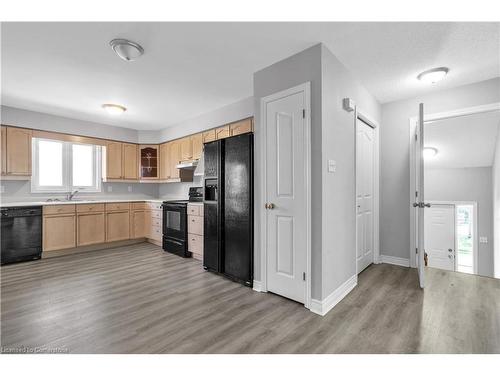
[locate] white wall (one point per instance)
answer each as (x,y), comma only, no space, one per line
(339,188)
(467,184)
(496,206)
(395,163)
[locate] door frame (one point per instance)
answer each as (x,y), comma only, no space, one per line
(306,89)
(360,114)
(413,122)
(474,228)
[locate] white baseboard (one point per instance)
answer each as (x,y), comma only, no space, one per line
(404,262)
(257,286)
(322,307)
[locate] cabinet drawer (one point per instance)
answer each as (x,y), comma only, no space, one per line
(195,243)
(59,209)
(195,225)
(156,232)
(154,205)
(117,206)
(156,222)
(139,205)
(156,214)
(94,207)
(193,209)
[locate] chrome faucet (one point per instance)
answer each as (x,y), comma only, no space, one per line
(71,195)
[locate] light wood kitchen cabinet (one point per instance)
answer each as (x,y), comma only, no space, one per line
(130,161)
(209,136)
(195,230)
(175,158)
(3,146)
(90,228)
(222,132)
(117,226)
(18,151)
(59,232)
(165,161)
(186,148)
(197,145)
(149,162)
(241,127)
(114,160)
(138,224)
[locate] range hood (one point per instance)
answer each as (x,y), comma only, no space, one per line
(188,164)
(200,168)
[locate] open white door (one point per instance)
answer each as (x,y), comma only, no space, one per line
(420,204)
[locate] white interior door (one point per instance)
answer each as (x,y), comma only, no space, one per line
(364,194)
(419,204)
(440,236)
(286,189)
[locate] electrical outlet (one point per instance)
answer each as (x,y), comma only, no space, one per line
(129,189)
(110,189)
(483,239)
(332,166)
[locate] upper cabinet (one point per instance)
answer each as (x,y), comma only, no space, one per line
(114,160)
(186,146)
(197,145)
(16,151)
(241,127)
(130,161)
(209,136)
(230,130)
(222,132)
(165,161)
(175,158)
(150,163)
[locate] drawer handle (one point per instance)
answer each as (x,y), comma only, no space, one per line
(192,220)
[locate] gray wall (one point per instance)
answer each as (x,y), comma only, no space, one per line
(496,206)
(338,189)
(44,121)
(395,169)
(295,70)
(467,184)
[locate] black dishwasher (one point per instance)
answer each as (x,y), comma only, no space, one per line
(21,234)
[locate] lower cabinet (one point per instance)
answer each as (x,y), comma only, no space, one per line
(117,226)
(138,224)
(59,232)
(195,230)
(90,229)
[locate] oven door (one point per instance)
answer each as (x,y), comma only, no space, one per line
(175,221)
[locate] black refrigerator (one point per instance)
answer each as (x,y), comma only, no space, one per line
(228,208)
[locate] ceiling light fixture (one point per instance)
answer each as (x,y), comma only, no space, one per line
(433,75)
(126,49)
(114,109)
(429,152)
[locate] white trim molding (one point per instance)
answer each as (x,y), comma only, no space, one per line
(257,286)
(324,306)
(397,261)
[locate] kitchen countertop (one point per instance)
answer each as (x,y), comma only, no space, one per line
(76,201)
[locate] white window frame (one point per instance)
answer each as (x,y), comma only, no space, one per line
(67,169)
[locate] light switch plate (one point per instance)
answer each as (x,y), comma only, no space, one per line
(483,239)
(332,166)
(110,189)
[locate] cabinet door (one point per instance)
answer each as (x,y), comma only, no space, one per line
(4,149)
(222,132)
(114,160)
(186,148)
(138,224)
(164,161)
(241,127)
(59,232)
(197,144)
(175,158)
(149,155)
(130,162)
(209,136)
(148,230)
(18,151)
(117,226)
(90,229)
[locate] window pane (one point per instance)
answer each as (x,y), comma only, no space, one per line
(50,163)
(83,165)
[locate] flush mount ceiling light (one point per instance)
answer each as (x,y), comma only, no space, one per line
(126,49)
(114,109)
(429,152)
(433,75)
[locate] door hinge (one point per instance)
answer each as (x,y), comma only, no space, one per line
(303,113)
(416,194)
(416,137)
(303,276)
(416,250)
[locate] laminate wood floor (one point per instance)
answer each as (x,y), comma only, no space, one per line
(138,299)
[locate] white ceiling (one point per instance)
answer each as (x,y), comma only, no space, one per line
(463,142)
(189,69)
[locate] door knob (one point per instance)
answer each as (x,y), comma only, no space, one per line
(450,250)
(271,206)
(450,256)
